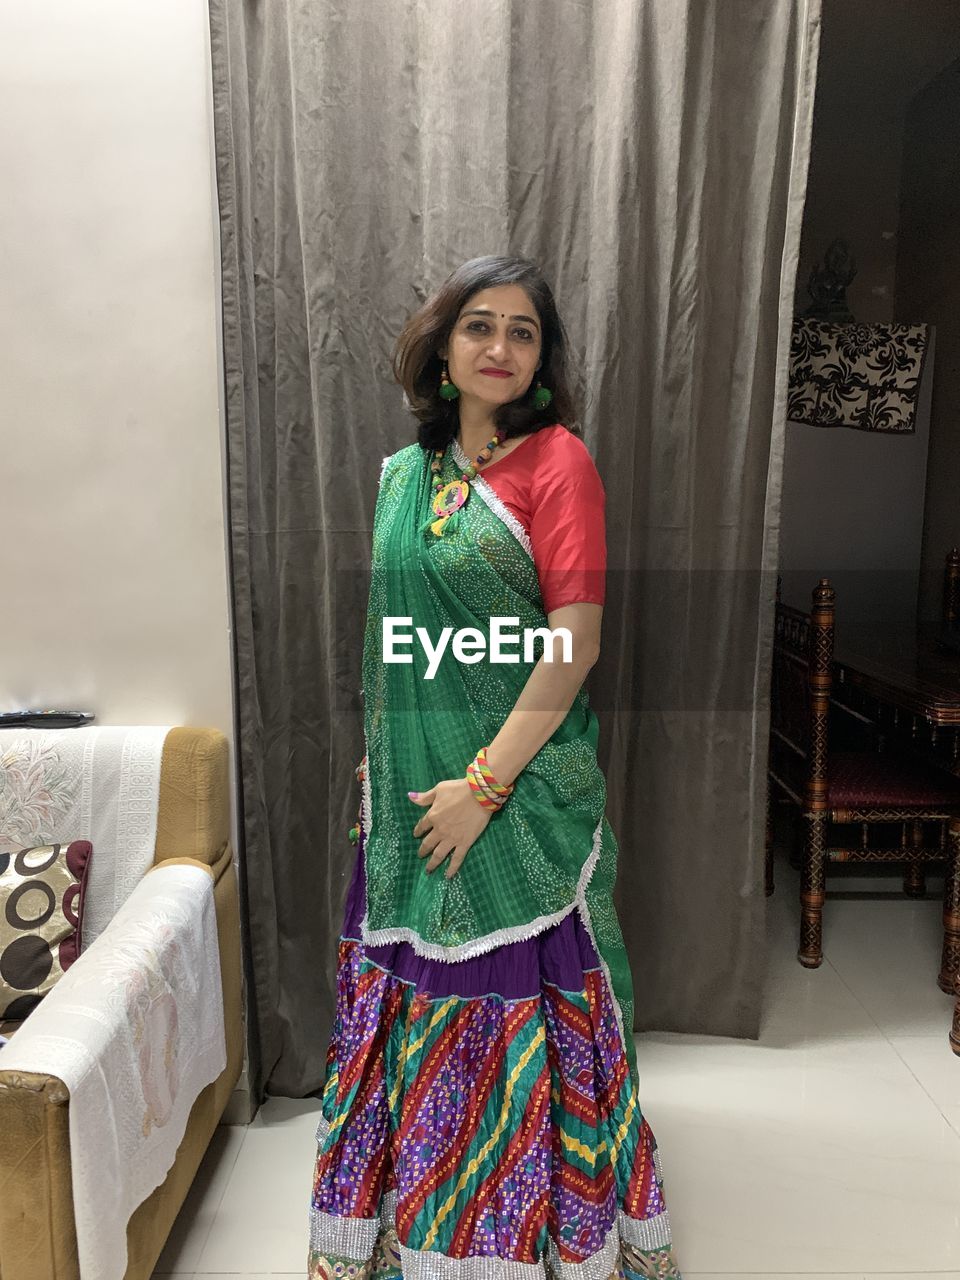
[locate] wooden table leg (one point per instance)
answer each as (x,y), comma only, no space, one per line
(813,892)
(950,957)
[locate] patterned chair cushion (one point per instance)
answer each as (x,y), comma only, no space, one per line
(41,914)
(887,780)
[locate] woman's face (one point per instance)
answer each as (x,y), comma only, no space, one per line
(497,329)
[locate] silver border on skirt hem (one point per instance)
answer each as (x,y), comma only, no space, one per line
(355,1239)
(417,1264)
(599,1266)
(645,1233)
(337,1237)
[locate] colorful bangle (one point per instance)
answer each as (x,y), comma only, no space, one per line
(487,774)
(482,798)
(483,785)
(481,793)
(486,790)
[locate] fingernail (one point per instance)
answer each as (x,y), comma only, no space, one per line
(413,794)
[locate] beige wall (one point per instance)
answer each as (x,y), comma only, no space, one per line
(852,510)
(113,560)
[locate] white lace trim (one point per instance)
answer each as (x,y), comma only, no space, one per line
(500,937)
(495,503)
(366,817)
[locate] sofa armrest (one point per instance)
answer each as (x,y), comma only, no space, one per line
(37,1223)
(37,1231)
(193,813)
(217,867)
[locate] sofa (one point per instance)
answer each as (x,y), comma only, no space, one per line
(37,1230)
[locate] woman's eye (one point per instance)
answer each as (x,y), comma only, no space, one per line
(480,326)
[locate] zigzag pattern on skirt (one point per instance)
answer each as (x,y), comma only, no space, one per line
(483,1128)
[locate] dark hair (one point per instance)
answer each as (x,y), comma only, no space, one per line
(417,365)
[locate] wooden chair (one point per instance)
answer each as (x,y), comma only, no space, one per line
(865,793)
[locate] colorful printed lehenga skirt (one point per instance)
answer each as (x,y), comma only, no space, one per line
(479,1119)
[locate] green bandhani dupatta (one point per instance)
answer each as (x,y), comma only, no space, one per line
(550,849)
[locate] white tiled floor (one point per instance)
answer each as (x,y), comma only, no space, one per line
(828,1148)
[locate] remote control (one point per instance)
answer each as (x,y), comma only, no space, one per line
(44,719)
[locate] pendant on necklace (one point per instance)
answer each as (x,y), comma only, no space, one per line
(447,500)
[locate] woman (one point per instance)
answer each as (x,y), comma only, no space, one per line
(480,1114)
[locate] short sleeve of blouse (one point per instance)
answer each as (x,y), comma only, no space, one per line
(568,525)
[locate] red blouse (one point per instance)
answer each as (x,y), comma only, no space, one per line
(551,484)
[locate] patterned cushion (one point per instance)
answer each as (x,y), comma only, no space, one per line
(41,912)
(888,780)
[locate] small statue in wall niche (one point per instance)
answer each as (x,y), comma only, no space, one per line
(828,283)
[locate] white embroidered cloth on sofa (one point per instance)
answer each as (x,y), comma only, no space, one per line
(135,1030)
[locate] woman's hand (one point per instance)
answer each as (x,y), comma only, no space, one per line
(451,824)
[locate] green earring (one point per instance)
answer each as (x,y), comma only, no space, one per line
(542,396)
(448,391)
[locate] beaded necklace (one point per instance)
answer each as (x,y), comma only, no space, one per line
(451,496)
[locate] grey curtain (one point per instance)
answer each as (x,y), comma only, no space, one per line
(651,155)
